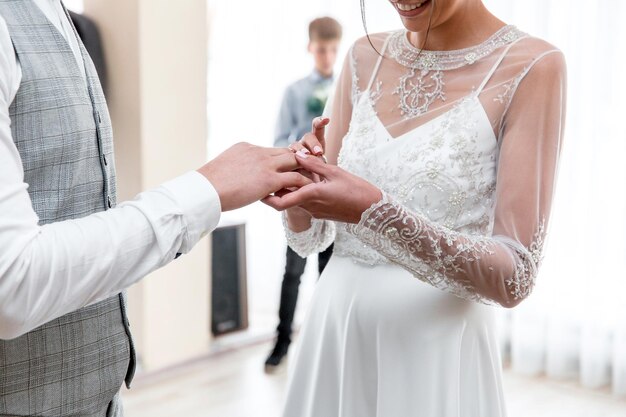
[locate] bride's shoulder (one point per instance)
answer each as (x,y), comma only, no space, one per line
(532,55)
(531,48)
(370,44)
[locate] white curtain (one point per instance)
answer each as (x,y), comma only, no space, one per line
(574,326)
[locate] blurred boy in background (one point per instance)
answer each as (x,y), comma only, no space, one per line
(303,101)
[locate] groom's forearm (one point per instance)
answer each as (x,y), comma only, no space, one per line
(48,271)
(52,270)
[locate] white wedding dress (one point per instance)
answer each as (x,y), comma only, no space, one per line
(465,146)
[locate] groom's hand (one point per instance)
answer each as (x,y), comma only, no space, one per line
(245,173)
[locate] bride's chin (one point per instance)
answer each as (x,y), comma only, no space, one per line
(416,21)
(415,25)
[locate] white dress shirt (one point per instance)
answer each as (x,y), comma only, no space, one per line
(48,271)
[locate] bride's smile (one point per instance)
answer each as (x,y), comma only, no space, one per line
(411,9)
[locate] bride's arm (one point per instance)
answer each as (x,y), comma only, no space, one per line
(500,268)
(306,235)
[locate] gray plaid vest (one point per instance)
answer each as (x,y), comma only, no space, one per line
(76,364)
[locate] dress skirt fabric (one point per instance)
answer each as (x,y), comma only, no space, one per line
(379,343)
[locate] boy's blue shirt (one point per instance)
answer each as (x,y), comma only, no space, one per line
(296,111)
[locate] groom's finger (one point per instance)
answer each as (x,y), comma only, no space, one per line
(278,151)
(285,162)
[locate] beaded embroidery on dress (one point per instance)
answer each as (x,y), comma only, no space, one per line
(464,146)
(436,151)
(424,82)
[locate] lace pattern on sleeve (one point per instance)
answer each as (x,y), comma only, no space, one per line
(445,258)
(314,240)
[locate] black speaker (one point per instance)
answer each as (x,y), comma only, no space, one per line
(229,293)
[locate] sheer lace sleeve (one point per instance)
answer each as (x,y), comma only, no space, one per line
(314,240)
(502,267)
(339,107)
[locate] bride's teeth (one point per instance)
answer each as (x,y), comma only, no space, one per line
(409,7)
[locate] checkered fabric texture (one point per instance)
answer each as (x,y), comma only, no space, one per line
(76,364)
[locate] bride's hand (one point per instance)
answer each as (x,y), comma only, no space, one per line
(340,195)
(314,142)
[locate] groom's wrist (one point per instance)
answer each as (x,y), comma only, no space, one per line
(199,203)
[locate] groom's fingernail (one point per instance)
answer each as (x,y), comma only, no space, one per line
(302,154)
(306,151)
(317,149)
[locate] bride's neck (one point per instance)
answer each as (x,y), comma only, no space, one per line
(469,26)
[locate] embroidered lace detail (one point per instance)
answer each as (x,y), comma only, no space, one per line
(429,252)
(526,268)
(443,225)
(509,89)
(424,82)
(408,55)
(449,178)
(314,240)
(536,247)
(418,90)
(439,256)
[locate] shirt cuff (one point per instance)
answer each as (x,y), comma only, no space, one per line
(200,205)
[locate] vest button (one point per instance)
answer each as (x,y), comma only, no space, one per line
(109,201)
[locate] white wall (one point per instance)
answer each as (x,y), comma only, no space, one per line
(255,50)
(157,63)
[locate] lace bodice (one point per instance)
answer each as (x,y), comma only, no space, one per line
(464,145)
(449,178)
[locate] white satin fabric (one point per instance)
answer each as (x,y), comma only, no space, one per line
(378,343)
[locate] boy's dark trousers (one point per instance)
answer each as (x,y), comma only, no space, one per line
(289,291)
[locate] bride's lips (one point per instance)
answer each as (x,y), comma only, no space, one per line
(412,9)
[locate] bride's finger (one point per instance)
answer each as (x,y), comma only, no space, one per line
(291,180)
(319,129)
(311,142)
(316,166)
(298,146)
(291,199)
(307,174)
